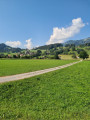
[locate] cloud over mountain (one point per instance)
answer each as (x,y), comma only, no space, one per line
(61,34)
(13,43)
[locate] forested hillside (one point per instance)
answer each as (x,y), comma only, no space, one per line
(5,48)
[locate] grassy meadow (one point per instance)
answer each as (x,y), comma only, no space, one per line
(59,95)
(11,67)
(66,57)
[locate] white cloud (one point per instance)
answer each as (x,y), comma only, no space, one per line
(61,34)
(29,44)
(13,43)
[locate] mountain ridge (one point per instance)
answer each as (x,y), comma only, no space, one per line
(78,42)
(6,48)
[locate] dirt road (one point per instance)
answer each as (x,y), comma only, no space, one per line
(31,74)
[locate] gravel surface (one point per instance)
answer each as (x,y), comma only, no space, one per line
(31,74)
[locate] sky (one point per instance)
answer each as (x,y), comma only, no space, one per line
(32,23)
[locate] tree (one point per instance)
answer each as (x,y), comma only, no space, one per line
(56,56)
(74,56)
(73,48)
(83,54)
(79,50)
(14,56)
(2,56)
(39,52)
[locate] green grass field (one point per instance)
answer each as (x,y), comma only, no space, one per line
(11,67)
(59,95)
(66,57)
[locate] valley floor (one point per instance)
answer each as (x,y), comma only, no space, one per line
(17,66)
(31,74)
(59,95)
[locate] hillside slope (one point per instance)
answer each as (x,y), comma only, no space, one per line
(78,42)
(5,48)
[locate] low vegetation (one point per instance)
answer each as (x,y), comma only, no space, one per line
(11,67)
(59,95)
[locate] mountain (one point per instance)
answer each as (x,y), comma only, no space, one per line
(5,48)
(45,47)
(78,42)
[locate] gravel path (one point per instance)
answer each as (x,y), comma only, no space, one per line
(31,74)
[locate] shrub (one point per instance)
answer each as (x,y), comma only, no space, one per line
(83,54)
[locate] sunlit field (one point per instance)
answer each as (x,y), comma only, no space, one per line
(11,67)
(59,95)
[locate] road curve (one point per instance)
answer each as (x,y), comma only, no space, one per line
(31,74)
